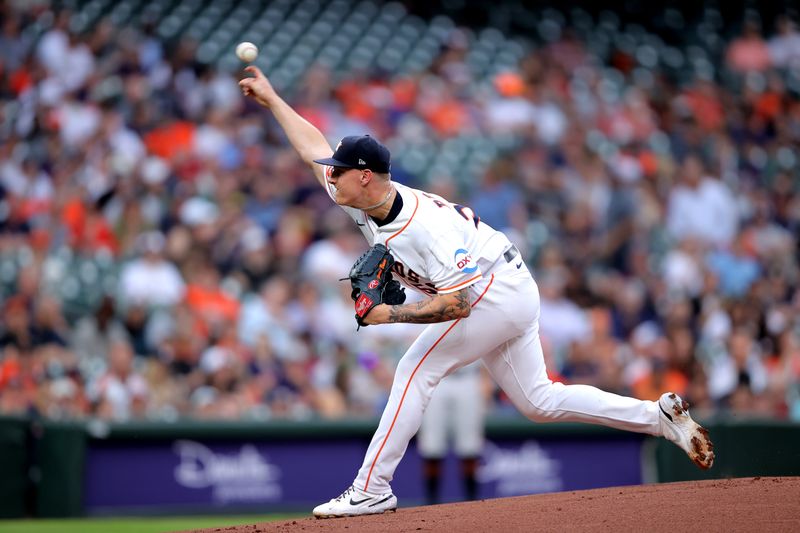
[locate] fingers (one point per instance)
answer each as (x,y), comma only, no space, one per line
(255,71)
(256,85)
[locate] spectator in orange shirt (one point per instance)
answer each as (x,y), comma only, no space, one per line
(649,386)
(89,230)
(445,113)
(207,300)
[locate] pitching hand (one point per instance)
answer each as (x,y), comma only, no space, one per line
(258,87)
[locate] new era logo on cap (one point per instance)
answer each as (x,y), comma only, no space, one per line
(360,151)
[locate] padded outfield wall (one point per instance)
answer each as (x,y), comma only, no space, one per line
(74,469)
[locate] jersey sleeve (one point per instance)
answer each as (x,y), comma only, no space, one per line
(451,266)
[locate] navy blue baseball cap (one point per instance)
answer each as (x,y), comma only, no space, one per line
(362,152)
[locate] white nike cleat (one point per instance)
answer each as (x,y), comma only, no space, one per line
(354,502)
(678,426)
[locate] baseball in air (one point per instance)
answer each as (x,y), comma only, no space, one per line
(247,52)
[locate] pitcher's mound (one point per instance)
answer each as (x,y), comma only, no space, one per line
(745,504)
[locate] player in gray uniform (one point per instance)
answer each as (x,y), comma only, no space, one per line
(482,303)
(456,410)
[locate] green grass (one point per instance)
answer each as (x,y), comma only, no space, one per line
(132,525)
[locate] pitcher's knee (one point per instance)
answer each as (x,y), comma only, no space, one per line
(403,372)
(540,406)
(538,414)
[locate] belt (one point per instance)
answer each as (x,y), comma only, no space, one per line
(510,254)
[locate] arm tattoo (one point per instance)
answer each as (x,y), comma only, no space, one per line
(441,308)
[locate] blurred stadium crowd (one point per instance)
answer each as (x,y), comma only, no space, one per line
(163,252)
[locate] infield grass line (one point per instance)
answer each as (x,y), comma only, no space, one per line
(134,524)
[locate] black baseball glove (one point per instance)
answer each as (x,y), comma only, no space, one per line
(372,282)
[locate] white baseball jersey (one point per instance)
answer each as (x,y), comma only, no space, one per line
(442,247)
(438,247)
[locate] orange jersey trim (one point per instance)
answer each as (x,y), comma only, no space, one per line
(479,276)
(401,230)
(408,383)
(491,280)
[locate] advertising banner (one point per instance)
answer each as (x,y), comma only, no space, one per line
(170,475)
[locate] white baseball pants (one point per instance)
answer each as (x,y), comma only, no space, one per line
(503,331)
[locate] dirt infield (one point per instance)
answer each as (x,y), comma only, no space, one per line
(744,504)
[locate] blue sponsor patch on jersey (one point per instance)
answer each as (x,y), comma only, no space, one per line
(464,261)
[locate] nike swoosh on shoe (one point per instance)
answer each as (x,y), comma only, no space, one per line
(377,503)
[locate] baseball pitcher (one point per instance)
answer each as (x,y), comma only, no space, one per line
(482,303)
